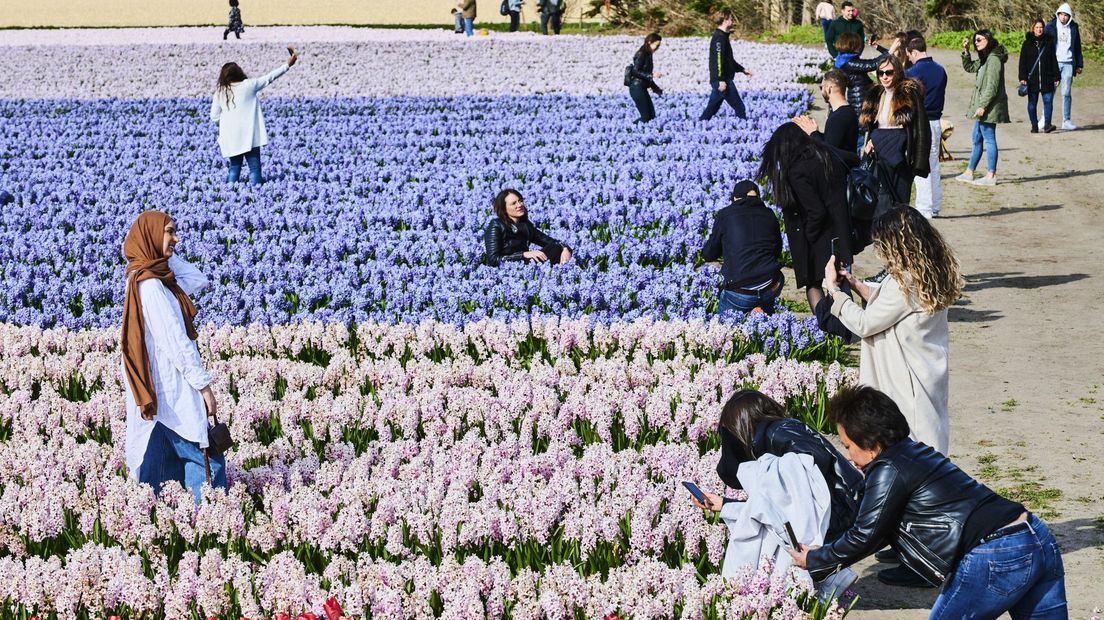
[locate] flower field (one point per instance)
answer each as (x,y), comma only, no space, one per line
(418,435)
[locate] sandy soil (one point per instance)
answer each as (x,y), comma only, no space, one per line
(98,13)
(1026,360)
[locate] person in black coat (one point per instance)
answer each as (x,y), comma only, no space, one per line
(809,183)
(642,78)
(753,424)
(747,236)
(509,234)
(722,68)
(1039,72)
(989,553)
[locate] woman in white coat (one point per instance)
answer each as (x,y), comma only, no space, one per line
(168,392)
(238,113)
(904,331)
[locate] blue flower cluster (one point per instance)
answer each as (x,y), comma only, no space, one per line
(373,207)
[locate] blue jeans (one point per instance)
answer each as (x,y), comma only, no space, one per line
(469,22)
(458,19)
(171,457)
(1020,573)
(716,98)
(253,157)
(1066,69)
(824,26)
(985,134)
(764,299)
(1033,108)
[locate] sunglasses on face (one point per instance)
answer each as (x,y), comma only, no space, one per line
(887,72)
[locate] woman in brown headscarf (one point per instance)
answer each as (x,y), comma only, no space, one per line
(169,393)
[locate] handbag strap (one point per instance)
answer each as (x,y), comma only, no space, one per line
(207,466)
(1036,65)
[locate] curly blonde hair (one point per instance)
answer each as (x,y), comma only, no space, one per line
(918,258)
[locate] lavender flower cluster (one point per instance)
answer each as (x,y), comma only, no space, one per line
(506,435)
(374,208)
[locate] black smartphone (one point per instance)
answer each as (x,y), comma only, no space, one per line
(835,252)
(793,537)
(291,52)
(695,491)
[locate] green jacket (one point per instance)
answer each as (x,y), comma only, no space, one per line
(839,26)
(989,92)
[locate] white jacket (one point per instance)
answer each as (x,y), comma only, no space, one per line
(177,371)
(780,489)
(241,124)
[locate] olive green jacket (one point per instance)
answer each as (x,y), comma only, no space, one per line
(467,9)
(989,92)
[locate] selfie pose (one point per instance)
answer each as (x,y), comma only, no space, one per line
(988,105)
(237,111)
(989,554)
(168,391)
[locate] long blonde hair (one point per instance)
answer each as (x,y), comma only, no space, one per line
(918,258)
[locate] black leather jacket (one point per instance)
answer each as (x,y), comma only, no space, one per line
(643,68)
(509,243)
(858,72)
(790,435)
(918,501)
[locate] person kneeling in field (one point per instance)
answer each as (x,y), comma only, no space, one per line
(509,234)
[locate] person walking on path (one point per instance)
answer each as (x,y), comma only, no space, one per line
(825,13)
(237,111)
(924,69)
(746,235)
(467,13)
(1040,74)
(550,13)
(514,10)
(848,21)
(642,78)
(1066,36)
(235,23)
(168,392)
(841,128)
(903,320)
(988,104)
(722,68)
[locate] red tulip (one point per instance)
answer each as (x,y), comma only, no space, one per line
(114,618)
(212,618)
(306,616)
(282,616)
(332,609)
(612,616)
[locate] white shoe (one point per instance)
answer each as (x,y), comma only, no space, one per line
(965,178)
(1068,126)
(986,180)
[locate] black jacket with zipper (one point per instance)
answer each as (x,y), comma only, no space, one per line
(642,72)
(915,499)
(1043,77)
(504,242)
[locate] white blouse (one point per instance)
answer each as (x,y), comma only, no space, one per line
(177,371)
(241,124)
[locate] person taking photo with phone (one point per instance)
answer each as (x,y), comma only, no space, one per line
(237,110)
(988,104)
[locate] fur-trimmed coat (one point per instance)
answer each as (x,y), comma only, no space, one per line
(907,110)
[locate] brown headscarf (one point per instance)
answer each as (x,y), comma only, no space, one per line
(145,260)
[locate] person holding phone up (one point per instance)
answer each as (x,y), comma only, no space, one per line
(237,111)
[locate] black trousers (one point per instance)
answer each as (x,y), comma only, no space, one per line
(515,20)
(716,98)
(550,17)
(643,100)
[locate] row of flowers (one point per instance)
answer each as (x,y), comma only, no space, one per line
(375,208)
(345,62)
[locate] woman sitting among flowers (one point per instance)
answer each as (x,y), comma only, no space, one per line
(168,392)
(509,234)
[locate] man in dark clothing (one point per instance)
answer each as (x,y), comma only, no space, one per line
(550,13)
(924,69)
(848,21)
(722,68)
(747,235)
(841,128)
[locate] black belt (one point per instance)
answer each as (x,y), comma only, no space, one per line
(1007,530)
(748,291)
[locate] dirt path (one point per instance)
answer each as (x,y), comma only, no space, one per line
(1026,359)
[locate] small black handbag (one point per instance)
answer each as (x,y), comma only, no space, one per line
(218,438)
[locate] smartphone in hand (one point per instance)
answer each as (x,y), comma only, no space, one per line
(291,51)
(835,252)
(695,491)
(793,537)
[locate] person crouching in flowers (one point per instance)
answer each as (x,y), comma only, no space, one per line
(509,234)
(238,113)
(753,424)
(168,392)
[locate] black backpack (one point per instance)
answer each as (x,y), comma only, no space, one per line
(504,8)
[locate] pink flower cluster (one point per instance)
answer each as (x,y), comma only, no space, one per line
(410,471)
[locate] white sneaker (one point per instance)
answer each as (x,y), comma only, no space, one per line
(965,178)
(986,180)
(1068,126)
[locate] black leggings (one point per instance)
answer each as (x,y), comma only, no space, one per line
(643,100)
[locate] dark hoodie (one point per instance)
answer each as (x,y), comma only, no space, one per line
(1040,78)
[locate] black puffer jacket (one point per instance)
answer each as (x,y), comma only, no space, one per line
(858,72)
(789,435)
(504,242)
(915,499)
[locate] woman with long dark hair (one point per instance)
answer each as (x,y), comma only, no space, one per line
(809,183)
(989,103)
(897,131)
(1040,74)
(641,77)
(238,112)
(753,424)
(509,234)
